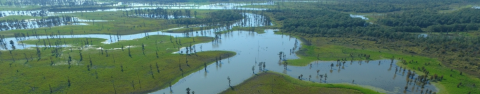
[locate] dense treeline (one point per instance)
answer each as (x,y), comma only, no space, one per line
(315,21)
(368,6)
(160,13)
(462,50)
(462,20)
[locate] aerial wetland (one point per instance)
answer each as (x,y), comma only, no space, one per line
(238,47)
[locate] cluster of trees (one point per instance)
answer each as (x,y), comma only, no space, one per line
(216,16)
(48,2)
(461,20)
(161,13)
(41,13)
(30,24)
(368,6)
(220,17)
(314,21)
(463,50)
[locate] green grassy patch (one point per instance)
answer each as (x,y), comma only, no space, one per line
(18,17)
(331,49)
(102,68)
(69,41)
(116,23)
(19,8)
(276,83)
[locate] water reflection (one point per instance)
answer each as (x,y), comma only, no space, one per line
(45,22)
(34,13)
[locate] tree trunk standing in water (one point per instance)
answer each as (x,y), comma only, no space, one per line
(205,64)
(13,44)
(228,78)
(170,84)
(264,66)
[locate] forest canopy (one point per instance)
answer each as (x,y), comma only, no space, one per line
(315,21)
(461,20)
(382,6)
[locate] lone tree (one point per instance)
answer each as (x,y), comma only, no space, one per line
(228,78)
(129,54)
(188,90)
(253,69)
(143,48)
(68,81)
(331,66)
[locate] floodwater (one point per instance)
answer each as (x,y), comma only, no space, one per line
(252,49)
(39,23)
(476,7)
(359,16)
(215,6)
(28,24)
(423,35)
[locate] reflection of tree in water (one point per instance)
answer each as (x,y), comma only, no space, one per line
(30,24)
(48,2)
(40,13)
(415,83)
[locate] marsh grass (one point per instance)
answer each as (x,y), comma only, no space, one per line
(116,72)
(116,23)
(276,83)
(335,48)
(21,17)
